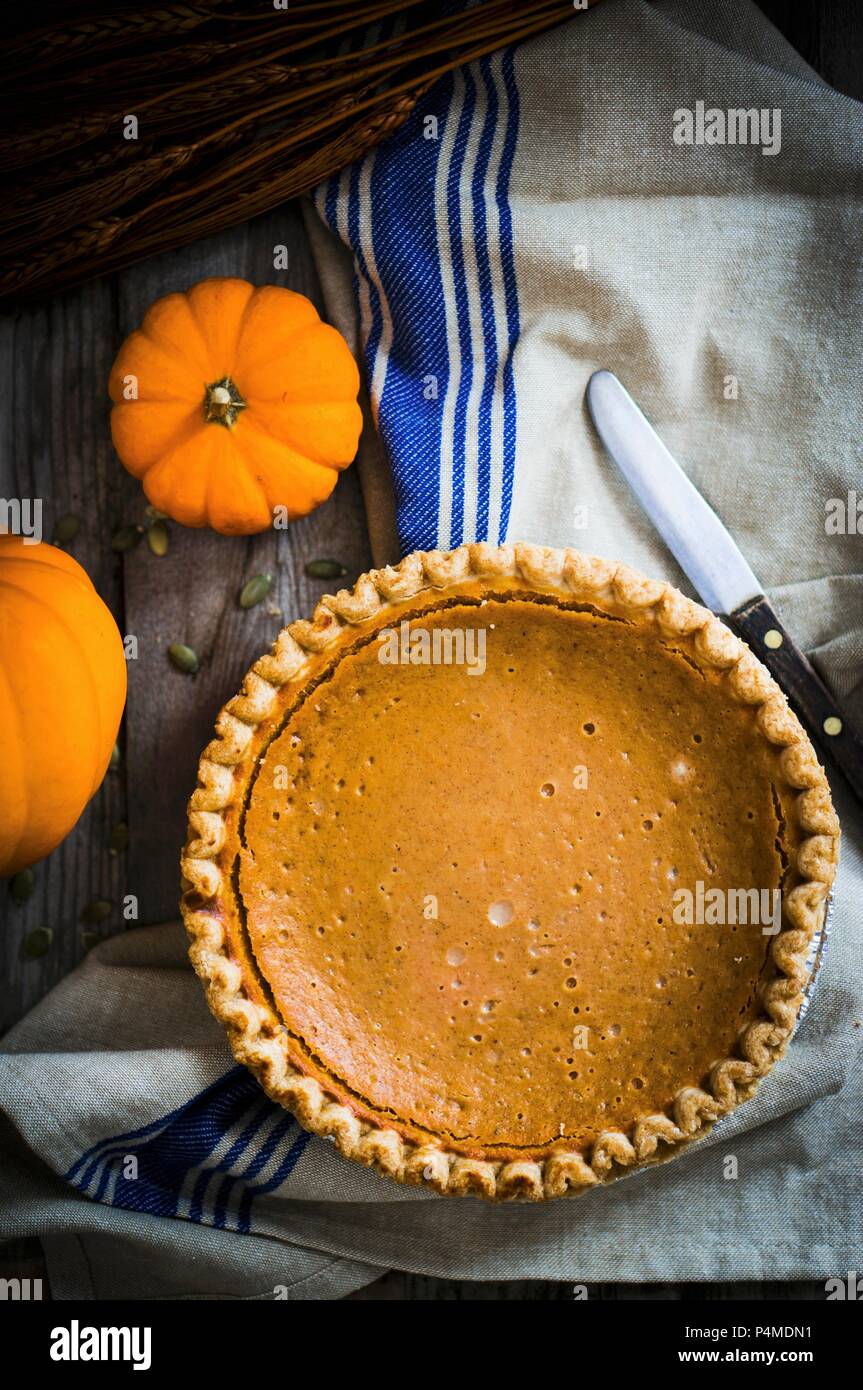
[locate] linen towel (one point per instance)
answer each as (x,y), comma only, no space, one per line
(533,220)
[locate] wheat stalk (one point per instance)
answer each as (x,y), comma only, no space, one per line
(127,28)
(256,121)
(65,210)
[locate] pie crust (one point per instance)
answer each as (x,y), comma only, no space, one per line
(306,654)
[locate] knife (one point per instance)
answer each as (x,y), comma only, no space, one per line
(710,557)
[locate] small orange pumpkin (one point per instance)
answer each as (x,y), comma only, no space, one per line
(62,691)
(231,401)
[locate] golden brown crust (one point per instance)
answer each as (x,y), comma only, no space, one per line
(256,1033)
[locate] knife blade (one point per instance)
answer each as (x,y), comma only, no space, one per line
(712,560)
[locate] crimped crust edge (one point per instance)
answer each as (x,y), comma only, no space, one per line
(255,1031)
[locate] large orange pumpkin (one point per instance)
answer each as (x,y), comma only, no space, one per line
(231,401)
(62,691)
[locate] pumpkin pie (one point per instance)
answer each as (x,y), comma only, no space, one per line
(502,870)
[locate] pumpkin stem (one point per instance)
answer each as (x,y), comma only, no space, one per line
(223,403)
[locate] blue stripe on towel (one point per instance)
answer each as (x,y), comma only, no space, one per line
(221,1096)
(429,222)
(417,367)
(225,1165)
(202,1161)
(264,1154)
(244,1214)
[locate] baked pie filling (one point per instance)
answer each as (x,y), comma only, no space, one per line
(485,879)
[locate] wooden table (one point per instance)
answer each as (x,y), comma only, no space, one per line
(55,445)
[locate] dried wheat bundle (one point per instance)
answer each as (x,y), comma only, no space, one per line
(129,127)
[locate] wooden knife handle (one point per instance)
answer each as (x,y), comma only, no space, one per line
(758,624)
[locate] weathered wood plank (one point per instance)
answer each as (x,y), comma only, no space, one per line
(191,594)
(55,446)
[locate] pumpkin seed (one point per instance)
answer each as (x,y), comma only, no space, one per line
(157,538)
(22,885)
(153,514)
(325,569)
(256,590)
(89,939)
(118,840)
(183,658)
(38,943)
(67,529)
(96,911)
(126,538)
(114,764)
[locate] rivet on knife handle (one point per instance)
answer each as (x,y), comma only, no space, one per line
(758,623)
